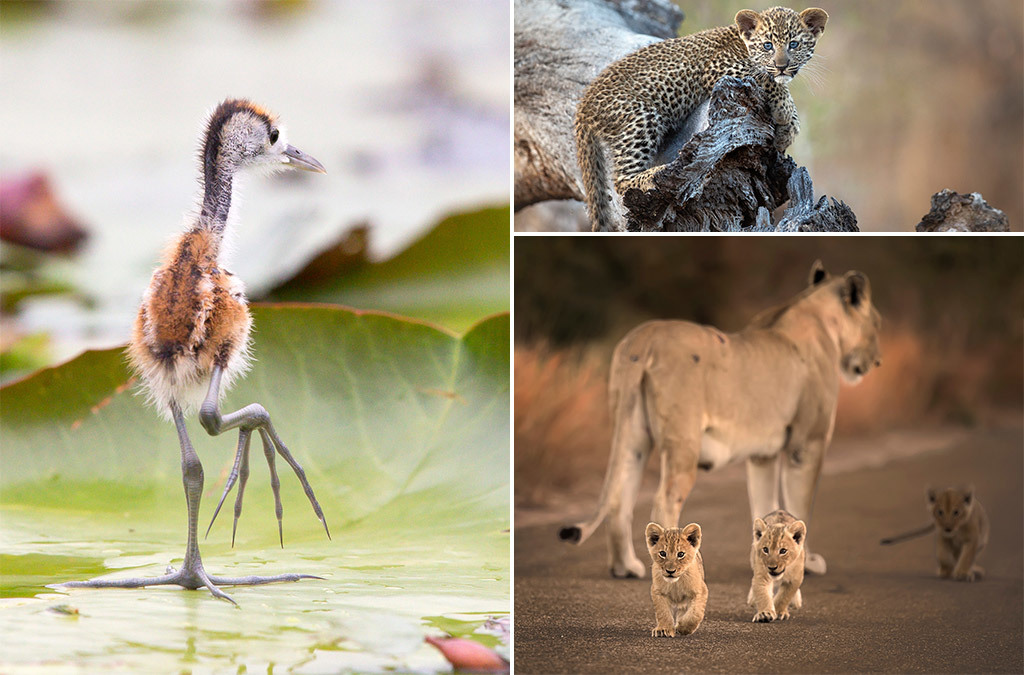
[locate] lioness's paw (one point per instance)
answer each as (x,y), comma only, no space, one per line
(764,617)
(815,564)
(629,569)
(663,632)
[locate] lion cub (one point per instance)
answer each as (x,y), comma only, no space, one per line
(961,525)
(677,579)
(777,560)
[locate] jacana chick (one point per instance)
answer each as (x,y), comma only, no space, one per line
(191,337)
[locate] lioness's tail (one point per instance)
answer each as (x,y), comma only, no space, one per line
(626,399)
(908,535)
(590,155)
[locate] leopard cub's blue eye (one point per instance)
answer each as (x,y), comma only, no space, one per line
(793,44)
(767,46)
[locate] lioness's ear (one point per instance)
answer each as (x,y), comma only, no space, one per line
(692,534)
(746,21)
(815,19)
(759,528)
(855,290)
(818,273)
(653,533)
(931,495)
(797,530)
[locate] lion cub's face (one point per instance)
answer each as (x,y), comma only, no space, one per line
(672,549)
(950,508)
(779,544)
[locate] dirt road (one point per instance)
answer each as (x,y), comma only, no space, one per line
(877,609)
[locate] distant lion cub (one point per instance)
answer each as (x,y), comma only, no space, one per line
(961,525)
(677,579)
(777,560)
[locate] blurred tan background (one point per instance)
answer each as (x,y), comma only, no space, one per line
(904,98)
(952,338)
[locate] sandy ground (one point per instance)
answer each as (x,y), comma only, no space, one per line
(877,609)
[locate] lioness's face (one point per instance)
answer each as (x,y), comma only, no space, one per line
(778,545)
(672,549)
(859,328)
(950,508)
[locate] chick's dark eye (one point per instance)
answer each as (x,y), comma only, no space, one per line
(793,44)
(273,136)
(767,46)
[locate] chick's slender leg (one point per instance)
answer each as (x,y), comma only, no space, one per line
(191,575)
(254,416)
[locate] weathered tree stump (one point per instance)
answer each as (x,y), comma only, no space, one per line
(729,177)
(954,212)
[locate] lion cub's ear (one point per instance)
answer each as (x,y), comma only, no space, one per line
(818,274)
(746,21)
(968,493)
(692,534)
(815,19)
(654,533)
(797,530)
(932,495)
(759,528)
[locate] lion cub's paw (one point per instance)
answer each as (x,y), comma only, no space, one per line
(662,632)
(783,615)
(965,576)
(764,617)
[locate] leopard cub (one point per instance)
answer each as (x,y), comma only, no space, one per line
(637,101)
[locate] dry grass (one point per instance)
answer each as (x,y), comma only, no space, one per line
(562,425)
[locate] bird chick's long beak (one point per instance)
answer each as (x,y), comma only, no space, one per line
(297,159)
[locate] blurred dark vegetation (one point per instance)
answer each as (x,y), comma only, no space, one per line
(952,335)
(906,97)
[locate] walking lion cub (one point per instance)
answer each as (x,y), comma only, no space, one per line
(677,579)
(777,560)
(961,527)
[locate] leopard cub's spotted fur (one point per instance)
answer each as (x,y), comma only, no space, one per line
(637,101)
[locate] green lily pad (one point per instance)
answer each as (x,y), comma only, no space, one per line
(402,429)
(453,275)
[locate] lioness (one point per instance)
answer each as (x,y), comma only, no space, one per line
(704,398)
(777,561)
(677,579)
(961,528)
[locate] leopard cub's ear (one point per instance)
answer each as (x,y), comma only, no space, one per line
(815,19)
(746,21)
